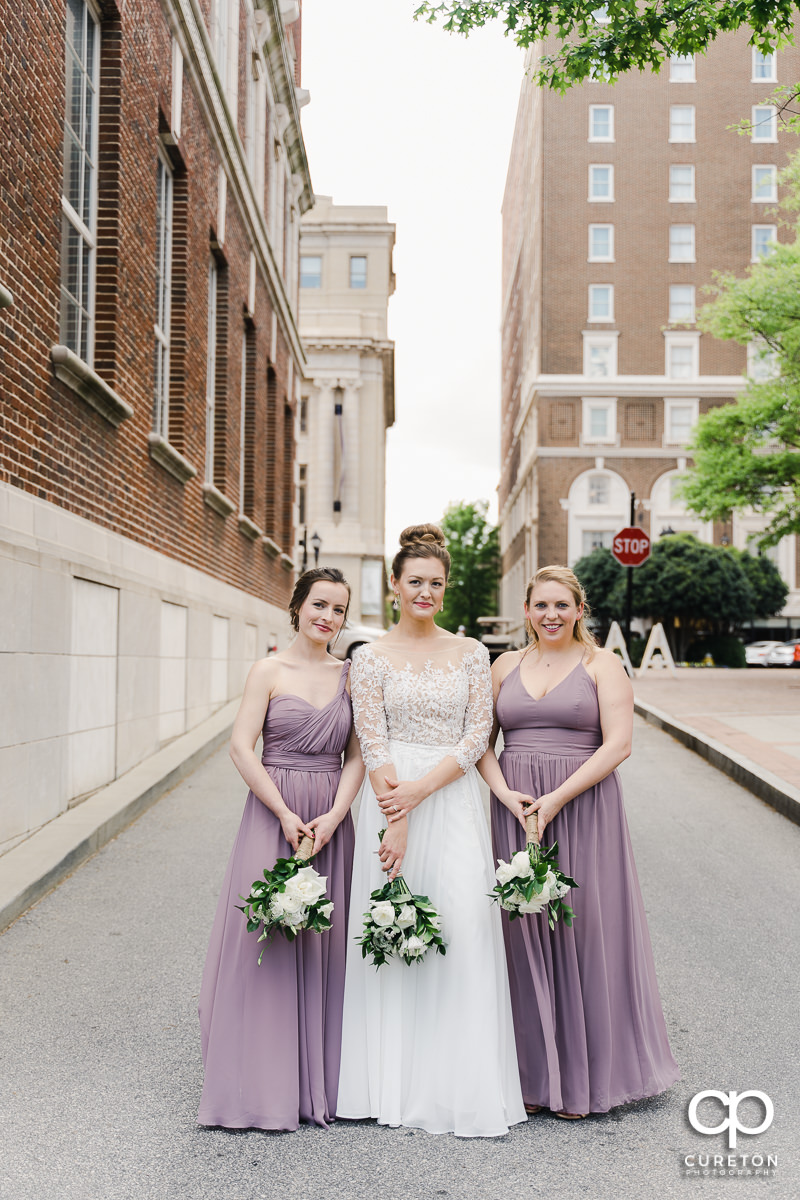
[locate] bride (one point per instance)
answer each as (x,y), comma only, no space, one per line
(429,1045)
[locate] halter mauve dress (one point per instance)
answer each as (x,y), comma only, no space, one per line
(271,1034)
(588,1021)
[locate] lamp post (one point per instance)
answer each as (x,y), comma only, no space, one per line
(304,544)
(316,546)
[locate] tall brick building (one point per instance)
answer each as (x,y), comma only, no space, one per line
(620,203)
(153,180)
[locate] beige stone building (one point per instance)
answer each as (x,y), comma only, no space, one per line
(347,400)
(620,203)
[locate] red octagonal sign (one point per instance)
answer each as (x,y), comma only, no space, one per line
(631,547)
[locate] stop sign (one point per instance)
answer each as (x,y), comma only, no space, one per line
(631,547)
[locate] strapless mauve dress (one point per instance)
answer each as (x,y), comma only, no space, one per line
(271,1034)
(588,1021)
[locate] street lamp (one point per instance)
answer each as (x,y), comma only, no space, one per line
(316,546)
(668,532)
(304,544)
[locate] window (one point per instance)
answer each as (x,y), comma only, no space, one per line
(762,362)
(681,183)
(681,302)
(680,417)
(601,122)
(163,298)
(211,368)
(681,68)
(599,422)
(302,479)
(681,355)
(601,182)
(599,489)
(764,123)
(595,539)
(765,183)
(310,271)
(303,415)
(763,238)
(358,271)
(601,243)
(681,243)
(79,200)
(764,66)
(681,123)
(599,357)
(601,302)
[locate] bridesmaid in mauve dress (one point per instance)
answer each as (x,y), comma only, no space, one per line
(588,1020)
(271,1034)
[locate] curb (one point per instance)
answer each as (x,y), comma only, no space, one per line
(775,791)
(42,861)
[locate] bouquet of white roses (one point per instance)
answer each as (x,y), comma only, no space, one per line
(290,899)
(532,882)
(400,925)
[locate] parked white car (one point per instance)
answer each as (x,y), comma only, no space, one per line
(353,636)
(787,654)
(756,653)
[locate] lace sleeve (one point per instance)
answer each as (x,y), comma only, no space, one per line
(478,717)
(369,714)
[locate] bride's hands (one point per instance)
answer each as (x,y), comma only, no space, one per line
(400,798)
(546,807)
(393,848)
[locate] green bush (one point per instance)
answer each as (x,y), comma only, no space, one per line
(725,649)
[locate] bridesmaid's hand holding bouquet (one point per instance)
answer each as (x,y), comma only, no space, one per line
(533,882)
(290,899)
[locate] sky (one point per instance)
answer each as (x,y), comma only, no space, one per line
(405,115)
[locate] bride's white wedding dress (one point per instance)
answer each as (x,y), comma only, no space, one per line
(430,1045)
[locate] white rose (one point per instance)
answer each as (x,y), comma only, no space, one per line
(276,906)
(407,916)
(505,873)
(534,905)
(521,863)
(413,947)
(326,909)
(308,884)
(383,912)
(289,902)
(296,918)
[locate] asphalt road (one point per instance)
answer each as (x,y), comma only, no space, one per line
(100,1074)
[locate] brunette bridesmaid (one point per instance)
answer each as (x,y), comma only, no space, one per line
(589,1027)
(271,1034)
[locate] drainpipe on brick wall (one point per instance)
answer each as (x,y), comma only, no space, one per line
(6,299)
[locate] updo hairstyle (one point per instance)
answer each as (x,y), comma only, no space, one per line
(421,541)
(569,580)
(304,586)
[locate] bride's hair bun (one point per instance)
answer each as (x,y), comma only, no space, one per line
(422,535)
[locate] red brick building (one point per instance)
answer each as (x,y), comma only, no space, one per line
(150,197)
(620,203)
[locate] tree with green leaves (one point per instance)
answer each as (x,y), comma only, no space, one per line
(474,546)
(609,40)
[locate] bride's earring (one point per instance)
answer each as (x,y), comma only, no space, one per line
(395,602)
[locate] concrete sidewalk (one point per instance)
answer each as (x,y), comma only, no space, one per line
(745,722)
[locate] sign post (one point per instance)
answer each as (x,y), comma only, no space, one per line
(630,547)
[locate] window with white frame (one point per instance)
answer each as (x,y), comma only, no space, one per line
(681,123)
(680,417)
(219,38)
(762,361)
(358,271)
(600,15)
(252,96)
(682,355)
(599,356)
(765,183)
(763,241)
(601,181)
(601,243)
(163,297)
(79,198)
(601,302)
(681,183)
(211,368)
(681,68)
(310,270)
(595,539)
(599,489)
(599,422)
(764,66)
(681,243)
(764,123)
(681,302)
(601,122)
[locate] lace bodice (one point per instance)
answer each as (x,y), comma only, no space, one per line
(442,704)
